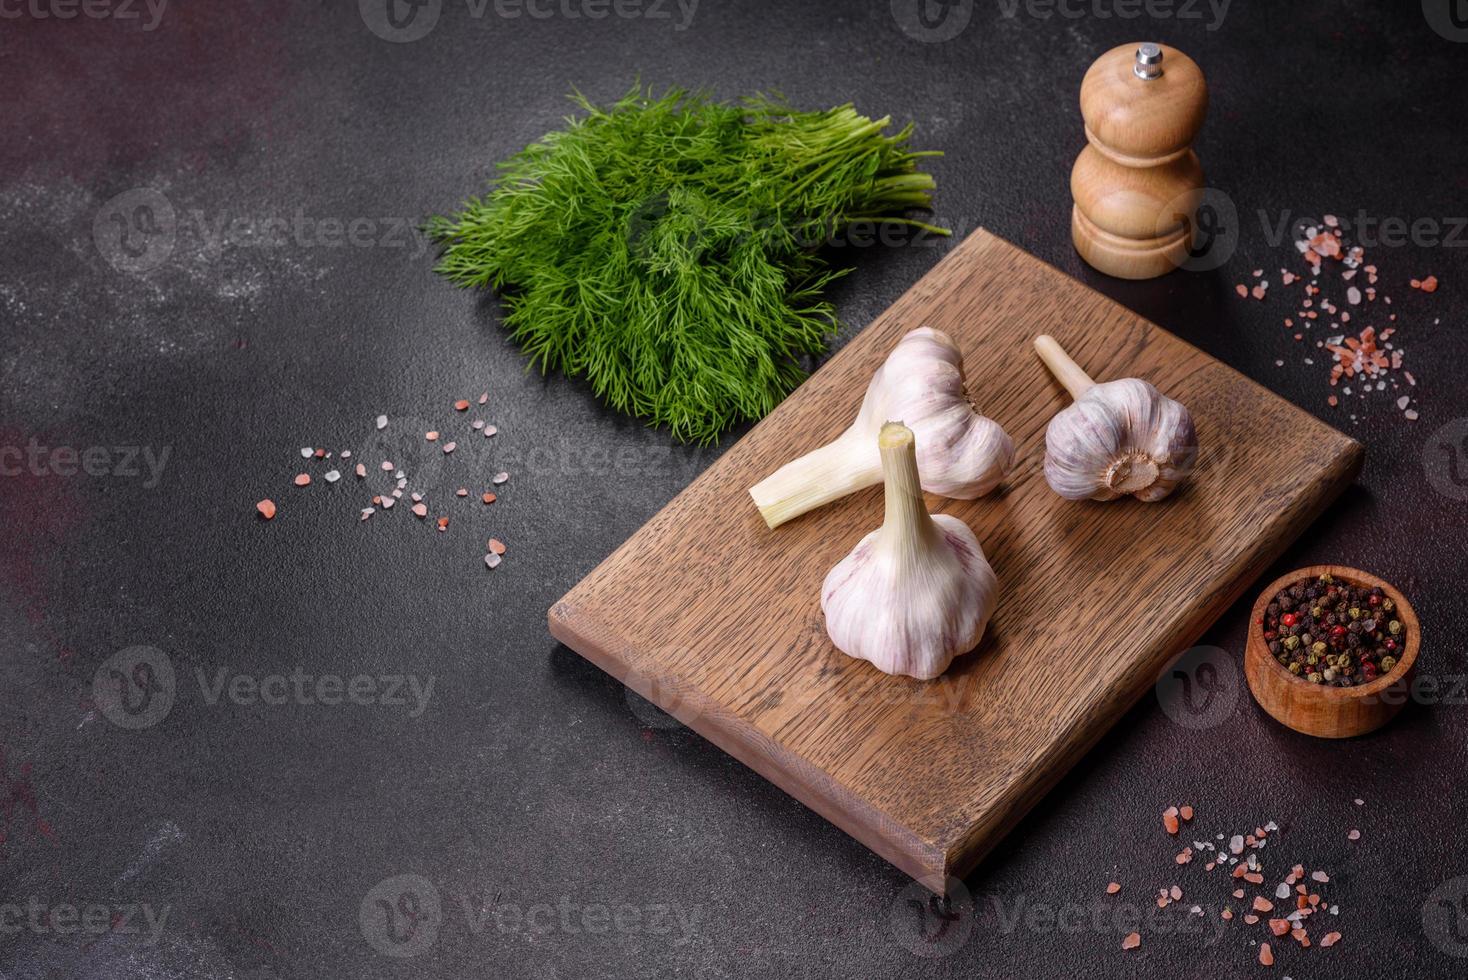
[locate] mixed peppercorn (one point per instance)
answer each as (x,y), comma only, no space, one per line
(1332,632)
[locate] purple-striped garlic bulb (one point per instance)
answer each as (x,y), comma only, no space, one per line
(1119,438)
(960,453)
(916,592)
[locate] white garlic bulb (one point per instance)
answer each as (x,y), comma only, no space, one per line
(916,592)
(1119,438)
(960,454)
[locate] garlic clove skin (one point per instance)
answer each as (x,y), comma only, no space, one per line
(961,454)
(1120,438)
(918,591)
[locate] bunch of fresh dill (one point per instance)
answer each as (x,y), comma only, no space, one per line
(667,248)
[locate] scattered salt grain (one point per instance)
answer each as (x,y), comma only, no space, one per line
(1354,835)
(382,421)
(266,508)
(490,430)
(333,475)
(302,480)
(449,447)
(420,510)
(361,471)
(492,560)
(387,466)
(500,477)
(306,452)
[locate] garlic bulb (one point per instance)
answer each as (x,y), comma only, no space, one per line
(916,592)
(961,454)
(1119,438)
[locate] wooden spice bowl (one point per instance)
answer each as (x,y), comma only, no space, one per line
(1316,709)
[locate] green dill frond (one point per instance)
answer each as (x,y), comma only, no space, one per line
(667,248)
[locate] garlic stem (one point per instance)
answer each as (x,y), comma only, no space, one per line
(907,530)
(829,473)
(960,453)
(1066,370)
(916,592)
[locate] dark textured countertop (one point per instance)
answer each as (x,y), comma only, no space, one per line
(235,826)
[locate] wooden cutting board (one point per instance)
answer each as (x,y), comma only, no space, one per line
(717,619)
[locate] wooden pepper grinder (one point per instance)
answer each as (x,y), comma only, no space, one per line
(1138,182)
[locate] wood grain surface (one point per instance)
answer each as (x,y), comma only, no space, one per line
(717,619)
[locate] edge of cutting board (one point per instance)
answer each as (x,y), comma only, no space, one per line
(931,862)
(810,785)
